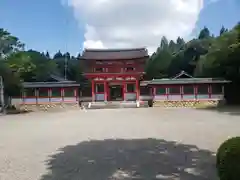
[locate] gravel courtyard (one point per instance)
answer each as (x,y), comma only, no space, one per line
(151,143)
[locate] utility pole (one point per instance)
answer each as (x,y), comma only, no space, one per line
(2,95)
(65,66)
(65,56)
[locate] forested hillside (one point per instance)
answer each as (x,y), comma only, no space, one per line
(204,56)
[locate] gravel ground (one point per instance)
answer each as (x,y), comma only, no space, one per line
(147,143)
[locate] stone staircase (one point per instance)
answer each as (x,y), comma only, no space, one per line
(113,105)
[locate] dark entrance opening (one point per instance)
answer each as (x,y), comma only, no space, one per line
(116,93)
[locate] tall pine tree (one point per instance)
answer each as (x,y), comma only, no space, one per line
(204,33)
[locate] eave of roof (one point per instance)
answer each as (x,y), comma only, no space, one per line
(144,83)
(116,58)
(109,73)
(114,50)
(114,54)
(50,84)
(186,81)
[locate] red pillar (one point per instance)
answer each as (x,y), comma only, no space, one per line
(182,92)
(50,94)
(167,91)
(154,90)
(93,91)
(75,93)
(124,91)
(137,90)
(223,90)
(62,93)
(36,95)
(209,91)
(24,96)
(105,91)
(196,92)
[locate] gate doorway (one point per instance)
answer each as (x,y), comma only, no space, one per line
(116,93)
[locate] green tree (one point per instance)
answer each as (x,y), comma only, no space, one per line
(223,30)
(44,66)
(217,53)
(180,43)
(21,64)
(204,33)
(10,79)
(157,66)
(31,65)
(164,43)
(173,48)
(67,55)
(58,55)
(47,55)
(9,43)
(78,56)
(222,60)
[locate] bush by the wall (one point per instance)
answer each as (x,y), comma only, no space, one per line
(228,159)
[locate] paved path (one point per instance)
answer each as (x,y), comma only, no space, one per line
(122,143)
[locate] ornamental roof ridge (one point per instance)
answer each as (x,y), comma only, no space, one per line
(114,49)
(115,54)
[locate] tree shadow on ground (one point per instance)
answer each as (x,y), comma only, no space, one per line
(231,110)
(131,159)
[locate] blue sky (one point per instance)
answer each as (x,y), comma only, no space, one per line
(48,25)
(223,12)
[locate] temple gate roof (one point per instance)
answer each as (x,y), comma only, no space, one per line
(114,54)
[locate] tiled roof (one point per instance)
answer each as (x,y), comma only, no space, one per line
(114,54)
(50,84)
(187,81)
(59,82)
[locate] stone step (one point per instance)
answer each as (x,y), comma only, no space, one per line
(112,105)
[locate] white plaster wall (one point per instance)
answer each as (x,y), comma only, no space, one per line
(218,96)
(202,96)
(145,97)
(160,98)
(99,97)
(33,100)
(174,97)
(70,99)
(42,100)
(85,99)
(130,96)
(58,99)
(189,97)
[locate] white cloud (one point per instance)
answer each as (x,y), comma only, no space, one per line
(135,23)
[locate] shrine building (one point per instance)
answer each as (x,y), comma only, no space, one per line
(115,74)
(56,90)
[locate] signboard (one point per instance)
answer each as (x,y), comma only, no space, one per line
(115,78)
(98,79)
(130,78)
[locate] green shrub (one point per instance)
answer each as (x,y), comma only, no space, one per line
(228,159)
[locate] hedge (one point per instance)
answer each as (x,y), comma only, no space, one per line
(228,159)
